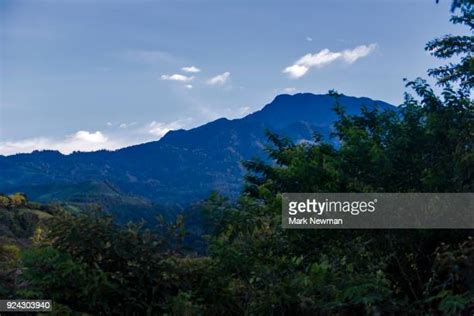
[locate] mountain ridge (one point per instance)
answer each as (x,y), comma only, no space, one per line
(266,107)
(183,166)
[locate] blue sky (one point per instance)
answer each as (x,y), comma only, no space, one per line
(85,75)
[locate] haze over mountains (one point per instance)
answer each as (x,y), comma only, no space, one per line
(182,167)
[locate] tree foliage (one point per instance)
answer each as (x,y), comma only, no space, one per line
(459,46)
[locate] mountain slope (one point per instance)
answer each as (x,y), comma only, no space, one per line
(185,165)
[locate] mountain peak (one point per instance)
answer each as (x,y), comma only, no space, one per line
(184,165)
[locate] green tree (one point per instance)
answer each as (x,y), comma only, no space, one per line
(425,146)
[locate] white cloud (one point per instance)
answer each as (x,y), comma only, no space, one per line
(91,141)
(309,39)
(96,137)
(289,90)
(127,125)
(189,86)
(296,71)
(219,79)
(109,124)
(79,141)
(191,69)
(159,129)
(151,56)
(325,57)
(177,77)
(351,55)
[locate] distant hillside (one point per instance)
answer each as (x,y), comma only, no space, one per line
(19,219)
(184,166)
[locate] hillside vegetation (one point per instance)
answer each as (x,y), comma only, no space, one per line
(21,222)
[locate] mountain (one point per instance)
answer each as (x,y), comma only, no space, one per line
(182,167)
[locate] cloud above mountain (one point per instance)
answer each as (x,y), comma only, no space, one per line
(159,129)
(177,77)
(325,57)
(96,137)
(117,136)
(79,141)
(191,69)
(219,80)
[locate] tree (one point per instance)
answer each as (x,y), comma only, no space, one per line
(426,146)
(461,46)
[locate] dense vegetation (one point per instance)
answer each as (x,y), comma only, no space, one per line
(87,263)
(21,222)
